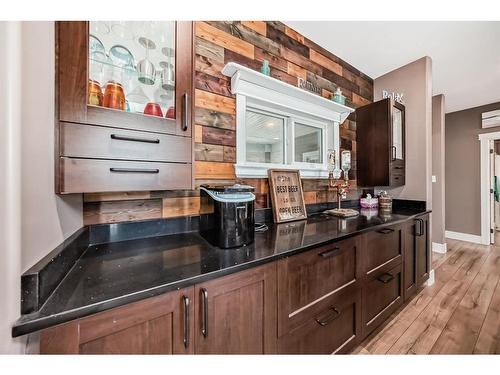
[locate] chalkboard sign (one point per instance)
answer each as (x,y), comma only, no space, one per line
(286,195)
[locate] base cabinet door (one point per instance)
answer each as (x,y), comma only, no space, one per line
(236,314)
(382,295)
(410,260)
(159,325)
(336,328)
(423,249)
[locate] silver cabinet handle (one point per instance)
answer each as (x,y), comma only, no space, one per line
(204,327)
(330,318)
(187,322)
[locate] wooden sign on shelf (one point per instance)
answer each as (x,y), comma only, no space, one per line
(286,195)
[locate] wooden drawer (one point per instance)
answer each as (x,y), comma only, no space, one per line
(397,179)
(382,294)
(308,278)
(91,175)
(335,328)
(97,142)
(382,247)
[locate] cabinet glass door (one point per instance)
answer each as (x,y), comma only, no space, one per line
(397,134)
(132,67)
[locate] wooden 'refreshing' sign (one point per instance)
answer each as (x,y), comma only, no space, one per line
(286,195)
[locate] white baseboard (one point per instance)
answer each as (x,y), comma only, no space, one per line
(431,279)
(441,248)
(463,236)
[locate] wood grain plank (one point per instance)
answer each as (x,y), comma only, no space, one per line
(257,26)
(325,62)
(274,61)
(421,336)
(286,41)
(213,170)
(215,85)
(219,37)
(238,30)
(119,196)
(198,134)
(216,136)
(296,70)
(208,100)
(186,206)
(229,154)
(207,117)
(462,330)
(294,34)
(118,211)
(231,56)
(488,341)
(208,66)
(359,100)
(207,152)
(210,50)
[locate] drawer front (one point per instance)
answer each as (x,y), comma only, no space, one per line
(382,247)
(86,141)
(335,328)
(88,176)
(306,279)
(382,295)
(397,179)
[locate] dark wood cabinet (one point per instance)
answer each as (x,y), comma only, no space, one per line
(333,326)
(324,300)
(423,248)
(382,295)
(305,280)
(159,325)
(236,314)
(91,136)
(381,136)
(417,255)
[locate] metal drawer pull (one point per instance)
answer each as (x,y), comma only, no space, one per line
(398,167)
(134,139)
(420,227)
(329,253)
(386,231)
(134,170)
(185,109)
(385,278)
(187,323)
(330,318)
(204,327)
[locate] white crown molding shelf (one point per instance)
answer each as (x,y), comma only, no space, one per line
(250,83)
(263,93)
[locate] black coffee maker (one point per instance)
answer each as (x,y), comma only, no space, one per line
(227,214)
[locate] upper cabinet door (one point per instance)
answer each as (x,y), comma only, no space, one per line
(397,131)
(126,74)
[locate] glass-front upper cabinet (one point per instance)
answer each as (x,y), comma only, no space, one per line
(397,129)
(127,74)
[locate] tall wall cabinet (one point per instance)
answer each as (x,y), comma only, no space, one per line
(124,99)
(381,136)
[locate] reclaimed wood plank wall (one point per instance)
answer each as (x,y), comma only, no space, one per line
(291,56)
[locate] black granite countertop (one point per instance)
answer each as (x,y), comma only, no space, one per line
(114,274)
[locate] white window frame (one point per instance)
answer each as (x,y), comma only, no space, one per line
(257,90)
(329,139)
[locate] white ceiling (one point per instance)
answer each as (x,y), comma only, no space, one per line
(465,55)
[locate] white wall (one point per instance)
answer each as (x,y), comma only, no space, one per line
(438,170)
(33,220)
(414,80)
(10,183)
(47,219)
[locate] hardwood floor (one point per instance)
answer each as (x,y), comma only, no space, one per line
(458,314)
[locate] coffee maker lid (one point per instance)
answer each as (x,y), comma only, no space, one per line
(235,188)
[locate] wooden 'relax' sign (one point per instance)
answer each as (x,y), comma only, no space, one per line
(286,195)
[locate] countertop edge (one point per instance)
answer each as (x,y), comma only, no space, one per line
(21,328)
